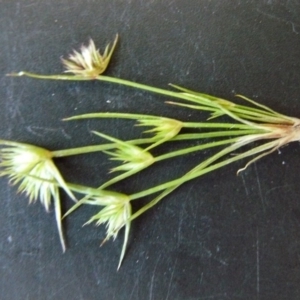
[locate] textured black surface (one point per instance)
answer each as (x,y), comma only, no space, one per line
(217,237)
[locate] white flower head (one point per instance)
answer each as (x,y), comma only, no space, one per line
(33,169)
(90,62)
(116,214)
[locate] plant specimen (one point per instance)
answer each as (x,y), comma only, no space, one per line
(248,122)
(38,176)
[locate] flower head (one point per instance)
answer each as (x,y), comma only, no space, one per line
(134,159)
(116,214)
(89,63)
(32,167)
(164,128)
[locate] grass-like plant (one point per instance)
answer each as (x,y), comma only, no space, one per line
(247,123)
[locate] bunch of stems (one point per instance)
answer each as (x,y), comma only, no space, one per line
(251,122)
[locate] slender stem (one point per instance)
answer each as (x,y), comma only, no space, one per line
(167,191)
(140,86)
(91,191)
(153,202)
(253,111)
(263,118)
(143,116)
(176,95)
(189,97)
(121,177)
(216,125)
(103,115)
(171,155)
(180,137)
(211,134)
(50,77)
(97,148)
(217,107)
(102,78)
(202,171)
(193,149)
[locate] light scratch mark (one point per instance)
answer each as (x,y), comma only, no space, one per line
(137,280)
(245,186)
(279,20)
(201,279)
(31,4)
(171,279)
(215,296)
(257,265)
(294,27)
(152,279)
(279,187)
(41,131)
(181,217)
(92,259)
(259,188)
(179,226)
(51,296)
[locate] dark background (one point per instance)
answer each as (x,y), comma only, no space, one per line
(218,237)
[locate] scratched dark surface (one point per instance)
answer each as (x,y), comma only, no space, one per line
(217,237)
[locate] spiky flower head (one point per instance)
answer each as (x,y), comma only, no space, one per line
(90,62)
(133,157)
(33,169)
(164,128)
(116,214)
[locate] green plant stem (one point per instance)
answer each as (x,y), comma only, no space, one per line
(168,156)
(205,169)
(49,77)
(97,148)
(143,117)
(188,150)
(200,170)
(234,141)
(180,137)
(102,78)
(91,191)
(216,125)
(185,96)
(211,134)
(262,113)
